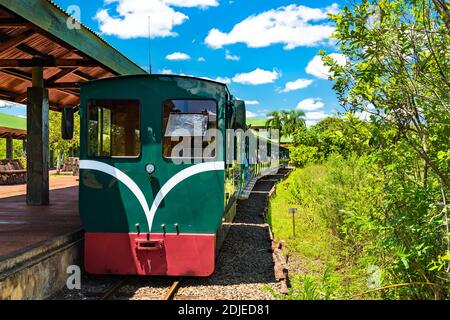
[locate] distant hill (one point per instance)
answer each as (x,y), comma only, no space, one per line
(13,122)
(257,122)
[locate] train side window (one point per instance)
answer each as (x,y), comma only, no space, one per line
(191,120)
(114,128)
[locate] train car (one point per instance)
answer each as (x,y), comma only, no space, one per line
(146,207)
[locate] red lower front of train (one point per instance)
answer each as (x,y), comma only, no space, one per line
(154,254)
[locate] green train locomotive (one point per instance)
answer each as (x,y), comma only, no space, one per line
(147,207)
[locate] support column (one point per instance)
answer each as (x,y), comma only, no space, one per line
(9,148)
(52,159)
(37,141)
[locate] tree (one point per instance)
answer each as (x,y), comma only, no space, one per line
(398,70)
(62,147)
(287,122)
(292,120)
(274,120)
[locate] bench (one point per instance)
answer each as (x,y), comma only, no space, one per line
(12,172)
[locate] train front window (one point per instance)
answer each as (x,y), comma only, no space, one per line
(114,128)
(188,122)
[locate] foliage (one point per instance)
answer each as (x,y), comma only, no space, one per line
(332,135)
(302,155)
(361,213)
(319,265)
(384,193)
(18,152)
(398,70)
(287,122)
(56,143)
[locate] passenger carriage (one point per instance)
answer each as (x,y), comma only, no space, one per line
(148,208)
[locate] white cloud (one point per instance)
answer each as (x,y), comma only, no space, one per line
(251,102)
(250,114)
(8,104)
(310,104)
(201,59)
(297,84)
(130,19)
(293,26)
(192,3)
(178,56)
(316,115)
(223,80)
(232,57)
(310,123)
(166,71)
(363,116)
(316,67)
(256,77)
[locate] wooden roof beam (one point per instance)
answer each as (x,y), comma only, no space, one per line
(83,75)
(45,62)
(18,74)
(8,94)
(21,98)
(63,85)
(60,75)
(31,51)
(27,49)
(15,41)
(27,77)
(14,22)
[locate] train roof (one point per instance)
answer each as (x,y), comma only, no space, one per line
(155,76)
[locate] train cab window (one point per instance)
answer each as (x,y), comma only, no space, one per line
(188,120)
(114,128)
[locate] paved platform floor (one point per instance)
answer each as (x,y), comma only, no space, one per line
(22,226)
(56,182)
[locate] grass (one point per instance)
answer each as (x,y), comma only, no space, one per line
(318,267)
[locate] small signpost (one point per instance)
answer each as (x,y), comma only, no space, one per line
(293,211)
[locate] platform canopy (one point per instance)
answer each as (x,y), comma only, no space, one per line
(13,127)
(37,33)
(44,55)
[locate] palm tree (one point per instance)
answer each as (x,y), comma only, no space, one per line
(287,122)
(292,120)
(274,120)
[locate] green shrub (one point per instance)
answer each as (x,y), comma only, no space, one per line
(302,155)
(364,212)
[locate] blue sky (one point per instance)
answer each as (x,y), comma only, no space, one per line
(270,45)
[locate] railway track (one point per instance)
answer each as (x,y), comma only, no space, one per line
(243,268)
(169,294)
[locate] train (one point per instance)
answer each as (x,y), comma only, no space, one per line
(147,205)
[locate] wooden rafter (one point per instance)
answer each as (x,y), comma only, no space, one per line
(63,85)
(15,41)
(26,76)
(18,74)
(21,98)
(14,22)
(48,61)
(83,75)
(7,94)
(61,74)
(29,50)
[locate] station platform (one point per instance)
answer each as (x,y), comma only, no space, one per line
(38,243)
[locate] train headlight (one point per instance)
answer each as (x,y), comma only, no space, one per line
(150,168)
